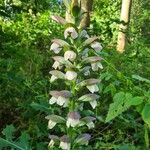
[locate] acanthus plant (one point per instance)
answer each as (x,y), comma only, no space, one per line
(76,64)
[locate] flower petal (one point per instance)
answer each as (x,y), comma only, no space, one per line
(70,31)
(73,119)
(57,74)
(93,104)
(89,97)
(51,124)
(96,46)
(61,101)
(56,48)
(53,78)
(93,88)
(52,100)
(70,55)
(71,75)
(83,139)
(65,142)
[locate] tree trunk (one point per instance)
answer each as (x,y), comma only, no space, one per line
(124,18)
(86,6)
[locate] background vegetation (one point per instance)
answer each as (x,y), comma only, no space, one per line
(25,33)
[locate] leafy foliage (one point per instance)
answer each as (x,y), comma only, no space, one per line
(122,101)
(25,33)
(22,143)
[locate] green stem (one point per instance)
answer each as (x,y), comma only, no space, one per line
(146,137)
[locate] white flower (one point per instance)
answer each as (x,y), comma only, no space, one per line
(96,46)
(88,121)
(65,143)
(51,143)
(53,78)
(65,146)
(83,139)
(57,65)
(70,31)
(91,98)
(93,103)
(96,65)
(51,124)
(60,97)
(60,100)
(71,75)
(56,48)
(70,55)
(90,125)
(56,75)
(73,119)
(53,138)
(93,88)
(52,100)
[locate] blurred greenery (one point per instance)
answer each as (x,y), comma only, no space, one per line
(26,30)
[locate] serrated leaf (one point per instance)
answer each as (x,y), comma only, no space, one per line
(122,101)
(23,141)
(146,114)
(55,118)
(8,132)
(6,143)
(136,101)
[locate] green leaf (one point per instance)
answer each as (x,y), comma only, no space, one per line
(136,101)
(40,107)
(8,132)
(122,101)
(146,114)
(6,143)
(21,144)
(23,141)
(137,77)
